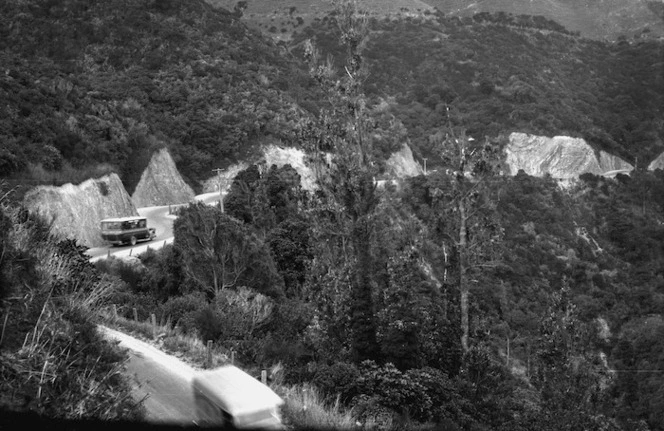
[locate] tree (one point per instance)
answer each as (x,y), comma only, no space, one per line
(468,217)
(569,374)
(410,315)
(219,252)
(341,130)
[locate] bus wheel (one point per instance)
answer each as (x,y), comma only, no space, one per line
(133,240)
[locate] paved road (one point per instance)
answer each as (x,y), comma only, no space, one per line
(163,381)
(159,218)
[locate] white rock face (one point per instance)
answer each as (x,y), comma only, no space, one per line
(161,183)
(402,165)
(224,177)
(658,163)
(272,155)
(77,210)
(562,157)
(279,156)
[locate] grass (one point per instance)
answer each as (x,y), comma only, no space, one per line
(307,408)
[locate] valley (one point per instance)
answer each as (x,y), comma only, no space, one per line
(436,215)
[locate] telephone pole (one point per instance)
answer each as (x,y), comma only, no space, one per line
(219,183)
(425,165)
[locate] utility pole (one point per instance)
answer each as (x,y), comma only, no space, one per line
(425,165)
(219,186)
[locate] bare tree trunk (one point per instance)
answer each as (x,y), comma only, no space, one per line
(463,283)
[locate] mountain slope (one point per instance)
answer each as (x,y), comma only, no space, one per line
(597,19)
(101,85)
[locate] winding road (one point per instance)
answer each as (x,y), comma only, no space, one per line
(158,218)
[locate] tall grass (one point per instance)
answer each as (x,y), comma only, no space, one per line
(53,361)
(306,408)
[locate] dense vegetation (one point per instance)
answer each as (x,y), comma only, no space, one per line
(500,73)
(462,299)
(90,87)
(565,324)
(53,362)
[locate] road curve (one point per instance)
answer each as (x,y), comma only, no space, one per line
(158,217)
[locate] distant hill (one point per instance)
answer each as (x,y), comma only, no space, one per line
(597,19)
(500,73)
(281,18)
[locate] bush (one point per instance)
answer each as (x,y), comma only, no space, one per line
(182,311)
(209,324)
(144,304)
(393,390)
(337,379)
(130,271)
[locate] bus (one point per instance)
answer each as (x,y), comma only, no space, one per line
(229,397)
(126,230)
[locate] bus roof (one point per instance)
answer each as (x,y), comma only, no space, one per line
(238,392)
(121,219)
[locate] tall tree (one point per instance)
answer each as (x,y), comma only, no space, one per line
(467,210)
(342,147)
(570,375)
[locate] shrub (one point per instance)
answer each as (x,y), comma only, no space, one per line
(182,310)
(129,271)
(392,390)
(144,304)
(209,324)
(337,379)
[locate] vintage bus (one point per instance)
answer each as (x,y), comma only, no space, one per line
(126,230)
(229,397)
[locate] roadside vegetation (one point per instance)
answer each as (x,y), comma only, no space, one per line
(463,299)
(52,360)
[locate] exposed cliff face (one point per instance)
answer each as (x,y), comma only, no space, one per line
(402,165)
(161,183)
(272,155)
(658,163)
(77,210)
(278,156)
(561,156)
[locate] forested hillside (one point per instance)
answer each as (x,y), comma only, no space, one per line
(464,299)
(499,73)
(90,87)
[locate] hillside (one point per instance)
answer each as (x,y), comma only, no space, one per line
(456,298)
(500,73)
(95,87)
(590,18)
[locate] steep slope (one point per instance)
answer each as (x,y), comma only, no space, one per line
(605,19)
(561,157)
(86,83)
(591,18)
(402,164)
(75,210)
(161,183)
(496,74)
(279,19)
